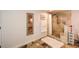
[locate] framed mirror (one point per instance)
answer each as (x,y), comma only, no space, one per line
(30,20)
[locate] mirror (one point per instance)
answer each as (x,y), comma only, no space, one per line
(29,23)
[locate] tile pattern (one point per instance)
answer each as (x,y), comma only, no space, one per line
(41,44)
(37,44)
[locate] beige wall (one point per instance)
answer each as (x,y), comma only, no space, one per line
(75,21)
(14,28)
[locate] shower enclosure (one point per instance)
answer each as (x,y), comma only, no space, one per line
(58,24)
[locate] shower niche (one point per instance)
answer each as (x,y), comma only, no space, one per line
(29,24)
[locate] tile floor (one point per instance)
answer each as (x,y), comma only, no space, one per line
(37,44)
(41,44)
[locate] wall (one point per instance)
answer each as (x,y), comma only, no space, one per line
(14,28)
(75,21)
(67,17)
(0,30)
(44,18)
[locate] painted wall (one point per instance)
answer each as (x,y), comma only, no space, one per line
(0,30)
(75,21)
(44,18)
(14,28)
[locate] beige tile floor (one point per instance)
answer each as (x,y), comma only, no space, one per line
(37,44)
(40,44)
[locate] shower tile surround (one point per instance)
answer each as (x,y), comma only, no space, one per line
(65,17)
